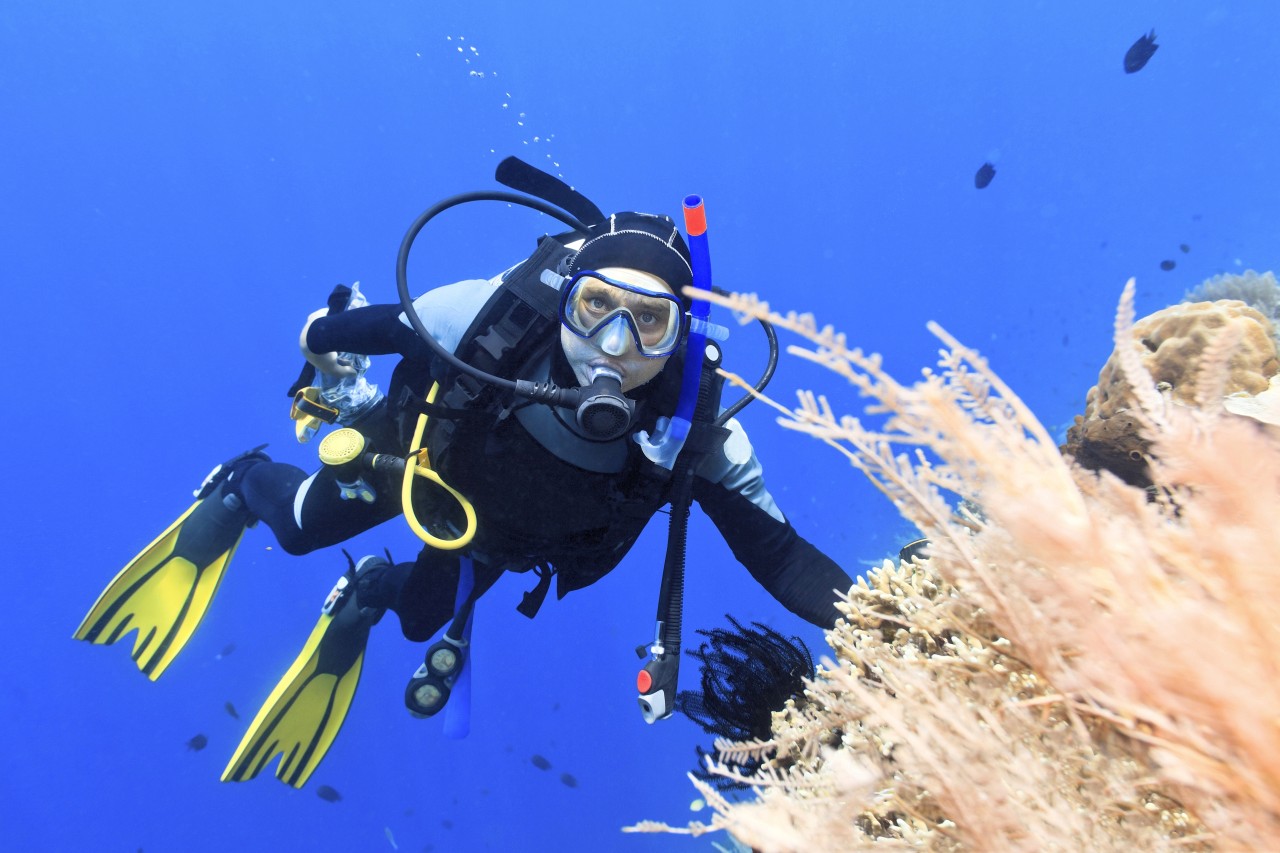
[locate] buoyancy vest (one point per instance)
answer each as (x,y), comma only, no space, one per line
(535,507)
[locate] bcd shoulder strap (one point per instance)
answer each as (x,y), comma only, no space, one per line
(522,309)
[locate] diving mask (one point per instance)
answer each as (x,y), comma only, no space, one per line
(591,303)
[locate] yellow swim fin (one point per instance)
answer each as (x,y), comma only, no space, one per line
(303,714)
(164,592)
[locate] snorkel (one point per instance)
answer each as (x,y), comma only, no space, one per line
(669,438)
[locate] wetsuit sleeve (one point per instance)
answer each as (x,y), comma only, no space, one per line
(372,330)
(730,489)
(381,329)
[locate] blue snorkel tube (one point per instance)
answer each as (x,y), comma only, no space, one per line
(669,439)
(657,681)
(695,223)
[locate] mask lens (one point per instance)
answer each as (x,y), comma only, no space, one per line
(592,302)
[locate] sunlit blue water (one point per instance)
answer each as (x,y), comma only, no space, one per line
(182,183)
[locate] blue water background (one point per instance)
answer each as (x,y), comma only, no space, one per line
(182,183)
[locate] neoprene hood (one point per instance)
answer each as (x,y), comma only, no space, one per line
(641,241)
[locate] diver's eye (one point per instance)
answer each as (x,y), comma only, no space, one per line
(648,318)
(597,304)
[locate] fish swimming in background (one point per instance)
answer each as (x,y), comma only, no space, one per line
(329,795)
(231,709)
(984,176)
(1141,52)
(1168,265)
(197,743)
(540,762)
(226,650)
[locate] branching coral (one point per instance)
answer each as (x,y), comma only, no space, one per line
(1078,665)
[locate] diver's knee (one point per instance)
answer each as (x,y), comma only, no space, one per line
(380,582)
(235,471)
(296,543)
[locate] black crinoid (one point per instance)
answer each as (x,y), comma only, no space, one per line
(746,675)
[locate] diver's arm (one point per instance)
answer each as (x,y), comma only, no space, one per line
(730,489)
(803,579)
(371,330)
(446,312)
(325,362)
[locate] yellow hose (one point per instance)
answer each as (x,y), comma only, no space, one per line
(417,463)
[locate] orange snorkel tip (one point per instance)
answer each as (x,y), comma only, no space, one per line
(695,216)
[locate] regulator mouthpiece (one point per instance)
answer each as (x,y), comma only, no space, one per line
(604,412)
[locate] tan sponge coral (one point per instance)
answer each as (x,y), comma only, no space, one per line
(1171,343)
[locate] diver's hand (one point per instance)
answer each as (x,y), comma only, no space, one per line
(325,362)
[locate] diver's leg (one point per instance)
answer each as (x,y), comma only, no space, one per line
(308,512)
(423,593)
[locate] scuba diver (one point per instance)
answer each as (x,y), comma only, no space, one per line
(536,420)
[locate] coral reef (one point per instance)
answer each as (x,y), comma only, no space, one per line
(1081,665)
(1171,343)
(1259,291)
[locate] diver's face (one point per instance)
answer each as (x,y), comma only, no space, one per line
(613,348)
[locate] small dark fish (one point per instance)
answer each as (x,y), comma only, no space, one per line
(984,176)
(1184,247)
(1137,56)
(329,795)
(231,709)
(197,743)
(228,649)
(1168,265)
(446,823)
(568,780)
(540,762)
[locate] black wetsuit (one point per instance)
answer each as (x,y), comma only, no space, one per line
(535,510)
